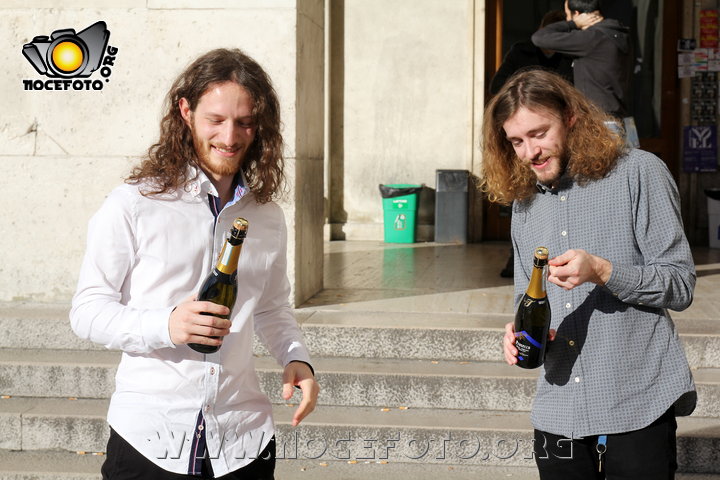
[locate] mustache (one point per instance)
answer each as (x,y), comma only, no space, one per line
(234,146)
(542,158)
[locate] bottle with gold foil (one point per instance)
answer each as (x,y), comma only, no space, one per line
(220,286)
(532,320)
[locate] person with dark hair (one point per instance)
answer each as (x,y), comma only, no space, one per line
(176,412)
(615,374)
(526,55)
(601,52)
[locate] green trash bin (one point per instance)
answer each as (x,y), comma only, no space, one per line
(399,211)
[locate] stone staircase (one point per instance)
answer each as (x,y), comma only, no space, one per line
(403,395)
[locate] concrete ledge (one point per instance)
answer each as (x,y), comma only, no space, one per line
(345,381)
(412,436)
(352,333)
(54,465)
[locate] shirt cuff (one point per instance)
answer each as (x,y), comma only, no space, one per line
(312,370)
(156,328)
(623,281)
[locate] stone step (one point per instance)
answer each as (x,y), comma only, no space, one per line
(58,465)
(432,336)
(349,434)
(344,381)
(452,336)
(55,465)
(49,465)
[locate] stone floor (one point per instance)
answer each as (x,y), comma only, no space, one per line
(449,278)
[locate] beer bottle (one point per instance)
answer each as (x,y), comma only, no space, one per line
(220,286)
(532,320)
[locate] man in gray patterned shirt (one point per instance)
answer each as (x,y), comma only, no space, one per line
(615,374)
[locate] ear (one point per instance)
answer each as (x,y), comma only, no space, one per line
(185,111)
(571,119)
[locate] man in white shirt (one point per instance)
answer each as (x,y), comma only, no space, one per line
(177,413)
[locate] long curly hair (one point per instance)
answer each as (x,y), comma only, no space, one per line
(592,148)
(164,168)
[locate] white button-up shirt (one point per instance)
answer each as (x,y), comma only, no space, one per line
(145,255)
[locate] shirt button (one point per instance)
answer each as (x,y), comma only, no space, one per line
(571,343)
(568,305)
(212,370)
(207,408)
(577,379)
(563,233)
(562,198)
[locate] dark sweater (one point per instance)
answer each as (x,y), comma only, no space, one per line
(602,60)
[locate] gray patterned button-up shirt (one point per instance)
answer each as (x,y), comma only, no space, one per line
(616,364)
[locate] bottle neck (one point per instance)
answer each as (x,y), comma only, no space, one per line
(228,261)
(536,288)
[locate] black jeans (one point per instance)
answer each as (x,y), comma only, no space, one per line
(123,462)
(646,454)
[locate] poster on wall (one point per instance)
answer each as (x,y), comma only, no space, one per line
(708,28)
(700,148)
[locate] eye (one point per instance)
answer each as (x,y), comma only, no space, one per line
(541,134)
(245,123)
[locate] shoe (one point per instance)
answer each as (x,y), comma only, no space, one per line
(509,270)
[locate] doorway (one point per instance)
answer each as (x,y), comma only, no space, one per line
(655,28)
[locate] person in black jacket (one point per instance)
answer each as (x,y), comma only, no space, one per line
(601,50)
(525,54)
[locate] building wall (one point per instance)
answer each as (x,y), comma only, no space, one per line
(403,100)
(63,151)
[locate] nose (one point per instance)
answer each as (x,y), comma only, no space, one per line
(228,134)
(530,151)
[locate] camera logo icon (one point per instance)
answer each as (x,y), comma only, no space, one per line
(67,54)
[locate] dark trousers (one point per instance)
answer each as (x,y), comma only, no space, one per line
(645,454)
(123,462)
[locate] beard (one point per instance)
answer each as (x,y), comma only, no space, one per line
(214,164)
(555,170)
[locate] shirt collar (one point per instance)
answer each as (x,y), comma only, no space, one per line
(564,183)
(201,184)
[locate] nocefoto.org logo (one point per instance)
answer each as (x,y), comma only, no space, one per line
(68,58)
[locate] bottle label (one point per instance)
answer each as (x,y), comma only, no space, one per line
(228,260)
(526,336)
(227,252)
(525,344)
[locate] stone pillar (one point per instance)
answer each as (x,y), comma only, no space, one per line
(305,211)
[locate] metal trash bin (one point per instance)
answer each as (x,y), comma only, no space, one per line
(451,206)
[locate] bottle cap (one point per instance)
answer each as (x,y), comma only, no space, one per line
(540,257)
(239,228)
(541,253)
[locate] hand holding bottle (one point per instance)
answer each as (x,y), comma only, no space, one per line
(190,323)
(220,286)
(509,349)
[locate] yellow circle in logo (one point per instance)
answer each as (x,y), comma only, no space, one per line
(67,56)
